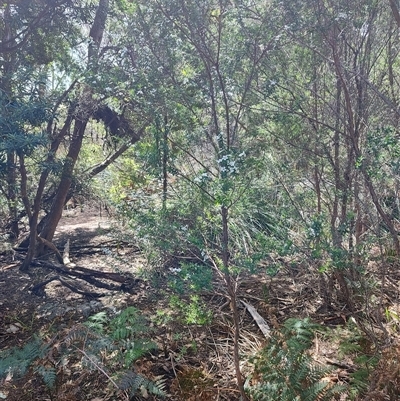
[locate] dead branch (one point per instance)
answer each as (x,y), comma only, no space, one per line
(66,260)
(52,247)
(126,282)
(261,323)
(38,289)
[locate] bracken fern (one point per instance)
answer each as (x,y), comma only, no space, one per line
(285,372)
(107,345)
(16,361)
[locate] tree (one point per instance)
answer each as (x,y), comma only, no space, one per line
(199,64)
(332,111)
(31,32)
(38,47)
(85,106)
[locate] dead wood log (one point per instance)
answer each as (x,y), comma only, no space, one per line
(66,260)
(127,282)
(101,248)
(38,289)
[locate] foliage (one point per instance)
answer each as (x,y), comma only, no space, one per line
(135,383)
(384,380)
(190,277)
(120,334)
(355,344)
(16,361)
(108,345)
(193,311)
(271,128)
(285,371)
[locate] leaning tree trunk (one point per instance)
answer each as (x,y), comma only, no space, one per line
(34,217)
(88,106)
(57,207)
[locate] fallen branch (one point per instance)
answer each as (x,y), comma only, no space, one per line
(9,266)
(66,260)
(127,282)
(261,323)
(38,289)
(52,247)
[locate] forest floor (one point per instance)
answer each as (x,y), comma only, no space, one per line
(194,360)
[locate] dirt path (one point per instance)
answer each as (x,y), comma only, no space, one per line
(86,231)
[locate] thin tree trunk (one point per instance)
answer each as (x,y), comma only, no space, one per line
(9,66)
(165,163)
(33,221)
(103,165)
(395,11)
(232,290)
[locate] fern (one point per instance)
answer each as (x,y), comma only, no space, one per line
(134,383)
(48,374)
(103,344)
(127,324)
(285,371)
(97,322)
(16,361)
(135,350)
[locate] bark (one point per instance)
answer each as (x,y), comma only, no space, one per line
(33,221)
(232,291)
(97,30)
(12,194)
(165,164)
(336,236)
(24,185)
(65,182)
(9,66)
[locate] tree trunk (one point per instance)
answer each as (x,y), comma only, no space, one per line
(33,220)
(12,194)
(232,291)
(395,11)
(8,67)
(65,183)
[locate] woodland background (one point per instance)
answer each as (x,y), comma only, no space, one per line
(234,142)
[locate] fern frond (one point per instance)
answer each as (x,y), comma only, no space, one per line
(97,322)
(78,334)
(131,381)
(286,372)
(157,387)
(100,345)
(48,374)
(134,382)
(136,349)
(127,324)
(92,362)
(16,361)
